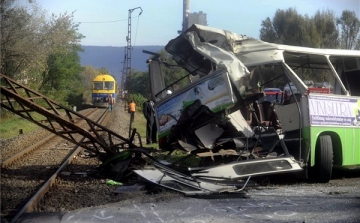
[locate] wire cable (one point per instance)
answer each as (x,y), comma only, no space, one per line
(137,25)
(111,21)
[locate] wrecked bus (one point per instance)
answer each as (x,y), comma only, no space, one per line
(222,117)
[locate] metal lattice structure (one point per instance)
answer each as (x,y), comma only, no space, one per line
(60,120)
(129,49)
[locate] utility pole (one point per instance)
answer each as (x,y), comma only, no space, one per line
(128,49)
(123,75)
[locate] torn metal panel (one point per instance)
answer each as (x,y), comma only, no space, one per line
(254,167)
(188,185)
(238,121)
(203,57)
(232,177)
(208,134)
(187,146)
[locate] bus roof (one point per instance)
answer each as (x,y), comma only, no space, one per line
(251,51)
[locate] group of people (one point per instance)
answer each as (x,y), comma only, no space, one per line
(149,113)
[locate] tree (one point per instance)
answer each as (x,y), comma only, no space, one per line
(63,76)
(40,51)
(139,83)
(267,31)
(327,34)
(349,26)
(289,27)
(16,31)
(28,37)
(87,74)
(103,70)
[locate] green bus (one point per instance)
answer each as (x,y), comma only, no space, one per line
(315,111)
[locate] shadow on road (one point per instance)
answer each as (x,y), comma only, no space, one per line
(346,172)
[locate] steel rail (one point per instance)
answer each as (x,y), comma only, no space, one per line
(39,195)
(33,147)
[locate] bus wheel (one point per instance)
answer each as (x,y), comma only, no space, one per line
(323,159)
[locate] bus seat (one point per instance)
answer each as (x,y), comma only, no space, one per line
(269,118)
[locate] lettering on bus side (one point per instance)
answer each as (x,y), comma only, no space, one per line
(332,111)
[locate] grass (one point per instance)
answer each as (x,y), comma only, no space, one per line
(11,125)
(140,125)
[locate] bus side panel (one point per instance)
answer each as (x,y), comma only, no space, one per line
(213,91)
(348,139)
(338,117)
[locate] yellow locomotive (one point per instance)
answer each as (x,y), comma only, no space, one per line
(102,86)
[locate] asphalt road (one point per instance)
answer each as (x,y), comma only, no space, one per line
(282,201)
(338,201)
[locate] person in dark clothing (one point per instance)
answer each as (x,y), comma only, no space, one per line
(110,101)
(151,129)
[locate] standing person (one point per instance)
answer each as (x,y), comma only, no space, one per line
(151,129)
(111,101)
(132,109)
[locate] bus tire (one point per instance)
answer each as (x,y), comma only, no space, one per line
(323,159)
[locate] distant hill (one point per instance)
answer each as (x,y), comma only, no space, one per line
(112,57)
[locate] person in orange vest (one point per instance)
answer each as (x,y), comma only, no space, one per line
(132,109)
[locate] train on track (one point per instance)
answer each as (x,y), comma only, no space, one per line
(102,86)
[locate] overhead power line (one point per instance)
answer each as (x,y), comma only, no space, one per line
(120,20)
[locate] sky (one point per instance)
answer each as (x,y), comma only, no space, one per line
(105,22)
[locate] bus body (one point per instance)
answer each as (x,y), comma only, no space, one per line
(229,74)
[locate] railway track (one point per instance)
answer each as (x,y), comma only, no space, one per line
(11,155)
(20,195)
(35,170)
